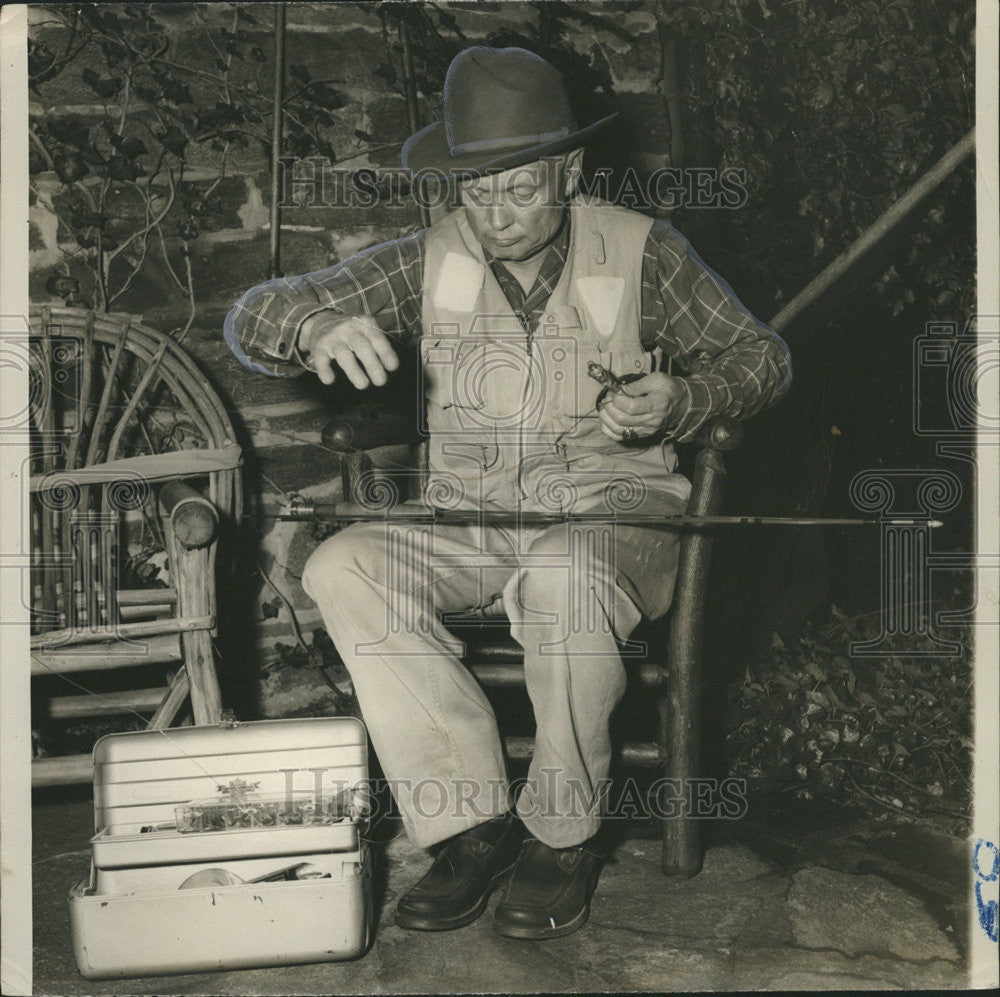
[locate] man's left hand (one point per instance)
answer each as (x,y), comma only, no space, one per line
(653,403)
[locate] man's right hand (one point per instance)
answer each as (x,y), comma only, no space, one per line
(357,345)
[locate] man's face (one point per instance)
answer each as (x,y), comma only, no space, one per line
(517,213)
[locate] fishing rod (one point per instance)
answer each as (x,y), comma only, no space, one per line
(302,510)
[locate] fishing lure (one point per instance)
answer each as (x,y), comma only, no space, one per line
(611,382)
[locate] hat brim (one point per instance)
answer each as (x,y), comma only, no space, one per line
(427,151)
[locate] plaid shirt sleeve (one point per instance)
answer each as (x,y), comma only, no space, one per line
(735,365)
(384,282)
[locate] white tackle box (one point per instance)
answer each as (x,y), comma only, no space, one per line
(140,913)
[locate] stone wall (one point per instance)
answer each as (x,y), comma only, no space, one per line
(280,420)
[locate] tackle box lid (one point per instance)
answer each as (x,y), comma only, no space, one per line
(140,777)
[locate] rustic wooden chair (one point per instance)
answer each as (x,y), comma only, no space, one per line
(123,424)
(670,674)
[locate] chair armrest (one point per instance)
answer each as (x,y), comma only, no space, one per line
(191,525)
(190,517)
(717,436)
(370,425)
(720,433)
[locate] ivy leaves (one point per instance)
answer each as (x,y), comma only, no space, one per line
(886,733)
(312,105)
(105,87)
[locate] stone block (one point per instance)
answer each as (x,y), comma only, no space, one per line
(345,53)
(481,17)
(295,692)
(643,125)
(687,912)
(310,471)
(229,267)
(796,969)
(656,966)
(830,981)
(317,18)
(863,914)
(335,199)
(734,863)
(387,119)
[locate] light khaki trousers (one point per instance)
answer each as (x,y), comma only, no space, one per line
(571,593)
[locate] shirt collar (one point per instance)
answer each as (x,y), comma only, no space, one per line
(546,280)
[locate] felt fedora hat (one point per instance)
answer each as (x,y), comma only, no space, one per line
(503,107)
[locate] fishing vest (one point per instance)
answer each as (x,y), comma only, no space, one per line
(511,415)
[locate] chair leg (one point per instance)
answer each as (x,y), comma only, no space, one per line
(679,745)
(206,699)
(177,693)
(680,706)
(195,573)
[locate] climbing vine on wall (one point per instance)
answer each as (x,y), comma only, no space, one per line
(150,174)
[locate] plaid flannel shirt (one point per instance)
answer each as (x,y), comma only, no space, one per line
(734,364)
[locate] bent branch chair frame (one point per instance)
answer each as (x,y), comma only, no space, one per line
(123,423)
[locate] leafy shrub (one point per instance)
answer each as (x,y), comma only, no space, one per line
(884,732)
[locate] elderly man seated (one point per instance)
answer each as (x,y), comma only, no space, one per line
(543,318)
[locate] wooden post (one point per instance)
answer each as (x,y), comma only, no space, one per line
(143,597)
(161,649)
(102,414)
(277,123)
(55,639)
(412,113)
(105,704)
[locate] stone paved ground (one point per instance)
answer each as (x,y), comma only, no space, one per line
(783,902)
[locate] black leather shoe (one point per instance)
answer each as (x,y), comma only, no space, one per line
(549,892)
(465,872)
